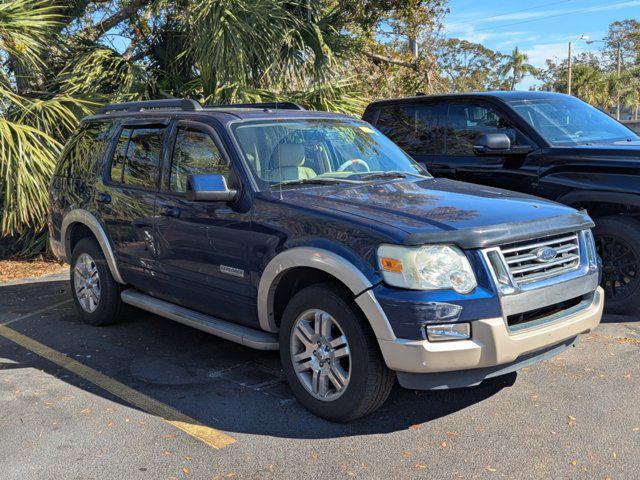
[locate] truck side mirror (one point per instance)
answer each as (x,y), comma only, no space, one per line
(209,188)
(497,144)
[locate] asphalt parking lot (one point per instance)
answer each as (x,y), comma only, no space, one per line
(149,398)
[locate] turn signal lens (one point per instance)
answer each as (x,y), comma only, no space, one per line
(391,265)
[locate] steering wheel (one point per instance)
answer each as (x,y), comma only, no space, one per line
(355,161)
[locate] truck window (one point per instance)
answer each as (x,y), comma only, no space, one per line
(415,128)
(136,159)
(82,154)
(194,152)
(466,120)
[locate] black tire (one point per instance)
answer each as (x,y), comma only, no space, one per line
(618,244)
(370,381)
(109,306)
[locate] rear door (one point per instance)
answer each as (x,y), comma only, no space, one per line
(126,199)
(202,246)
(416,128)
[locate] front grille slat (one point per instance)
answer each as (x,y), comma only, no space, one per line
(525,266)
(540,244)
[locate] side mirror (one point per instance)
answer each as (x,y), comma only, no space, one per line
(497,144)
(209,188)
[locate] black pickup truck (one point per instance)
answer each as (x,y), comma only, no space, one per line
(546,144)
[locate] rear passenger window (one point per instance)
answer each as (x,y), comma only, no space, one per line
(82,154)
(136,160)
(415,128)
(194,153)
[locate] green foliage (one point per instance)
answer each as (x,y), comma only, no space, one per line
(516,68)
(470,66)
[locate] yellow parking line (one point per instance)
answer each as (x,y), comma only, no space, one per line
(212,437)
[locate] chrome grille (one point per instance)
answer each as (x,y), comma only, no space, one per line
(524,260)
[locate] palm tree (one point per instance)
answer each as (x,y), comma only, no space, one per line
(630,90)
(32,124)
(517,68)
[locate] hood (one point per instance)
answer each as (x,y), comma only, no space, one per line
(623,151)
(427,205)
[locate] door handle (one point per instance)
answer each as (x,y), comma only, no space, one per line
(103,197)
(169,211)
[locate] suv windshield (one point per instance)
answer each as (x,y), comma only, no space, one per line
(320,151)
(564,120)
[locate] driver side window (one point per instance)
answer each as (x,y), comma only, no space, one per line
(194,152)
(466,120)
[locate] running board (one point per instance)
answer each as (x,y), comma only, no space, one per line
(246,336)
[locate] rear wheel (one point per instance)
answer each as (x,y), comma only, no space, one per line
(618,244)
(330,356)
(95,293)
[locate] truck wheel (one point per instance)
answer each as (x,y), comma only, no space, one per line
(330,355)
(618,244)
(95,293)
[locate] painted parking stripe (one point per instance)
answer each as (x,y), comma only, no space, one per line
(210,436)
(37,312)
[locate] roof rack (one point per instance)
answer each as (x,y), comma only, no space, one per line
(264,105)
(174,104)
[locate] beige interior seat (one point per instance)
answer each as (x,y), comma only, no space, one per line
(287,163)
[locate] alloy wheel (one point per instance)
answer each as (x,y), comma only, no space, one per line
(320,355)
(86,281)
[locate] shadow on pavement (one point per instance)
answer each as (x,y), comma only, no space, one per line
(219,383)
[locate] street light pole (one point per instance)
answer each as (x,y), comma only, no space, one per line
(619,74)
(569,72)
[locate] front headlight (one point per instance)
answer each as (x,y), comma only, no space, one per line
(430,267)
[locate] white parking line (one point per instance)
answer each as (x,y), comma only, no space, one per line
(37,312)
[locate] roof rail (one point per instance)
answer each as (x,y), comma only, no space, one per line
(174,104)
(265,105)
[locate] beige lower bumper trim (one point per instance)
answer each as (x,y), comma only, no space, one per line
(491,343)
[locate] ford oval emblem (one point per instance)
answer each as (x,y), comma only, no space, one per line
(545,254)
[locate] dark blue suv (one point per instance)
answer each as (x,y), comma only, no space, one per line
(312,233)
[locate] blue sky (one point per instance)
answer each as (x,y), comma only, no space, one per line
(541,28)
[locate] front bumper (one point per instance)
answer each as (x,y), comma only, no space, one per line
(491,344)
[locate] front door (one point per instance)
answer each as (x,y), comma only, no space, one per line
(126,199)
(202,245)
(464,121)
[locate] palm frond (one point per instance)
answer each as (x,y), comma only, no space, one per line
(25,27)
(27,160)
(103,74)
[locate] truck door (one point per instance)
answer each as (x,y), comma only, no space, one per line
(464,121)
(126,199)
(202,245)
(416,128)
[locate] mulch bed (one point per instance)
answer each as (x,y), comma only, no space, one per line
(15,269)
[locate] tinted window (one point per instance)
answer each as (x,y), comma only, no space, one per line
(136,159)
(82,154)
(415,128)
(194,153)
(465,121)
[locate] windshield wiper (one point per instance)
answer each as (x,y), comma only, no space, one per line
(310,181)
(372,176)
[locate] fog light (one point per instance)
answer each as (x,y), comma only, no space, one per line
(449,331)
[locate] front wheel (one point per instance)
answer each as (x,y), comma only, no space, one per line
(330,355)
(618,244)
